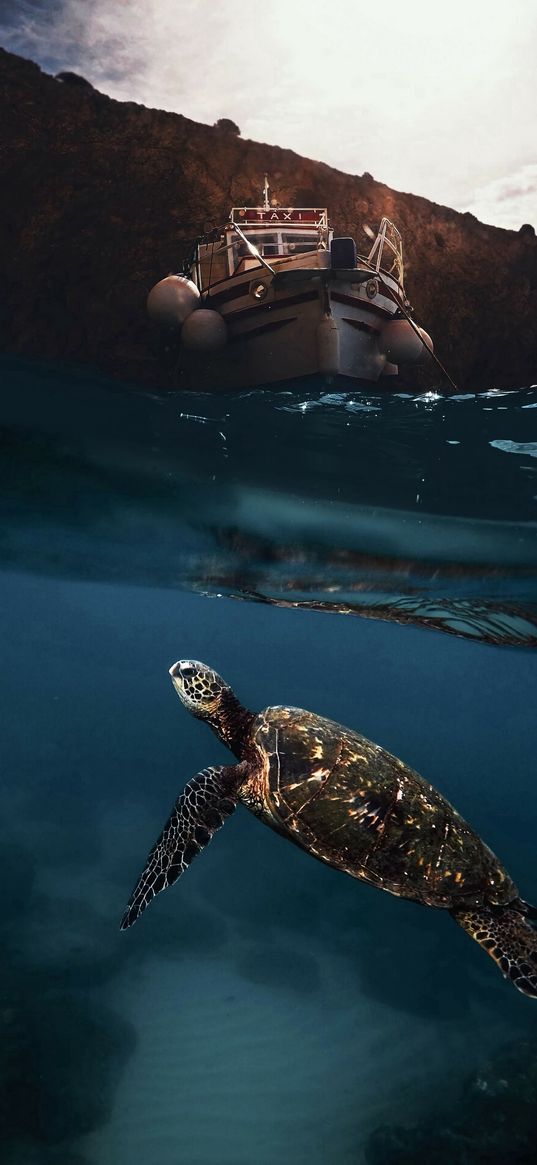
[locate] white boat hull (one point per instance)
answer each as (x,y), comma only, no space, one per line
(322,324)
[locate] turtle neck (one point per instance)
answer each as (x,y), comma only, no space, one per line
(232,722)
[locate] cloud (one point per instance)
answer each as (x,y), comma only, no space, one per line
(429,100)
(87,36)
(509,201)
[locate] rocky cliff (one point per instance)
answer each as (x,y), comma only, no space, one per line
(101,198)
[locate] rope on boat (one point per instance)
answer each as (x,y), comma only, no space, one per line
(418,333)
(412,324)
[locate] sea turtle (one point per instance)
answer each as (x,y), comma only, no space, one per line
(349,803)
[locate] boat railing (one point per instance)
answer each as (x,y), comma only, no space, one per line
(215,257)
(280,216)
(386,254)
(213,261)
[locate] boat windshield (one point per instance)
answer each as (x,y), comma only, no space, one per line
(276,242)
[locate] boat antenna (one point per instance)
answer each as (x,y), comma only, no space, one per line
(266,188)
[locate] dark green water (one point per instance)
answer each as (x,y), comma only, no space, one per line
(267,1010)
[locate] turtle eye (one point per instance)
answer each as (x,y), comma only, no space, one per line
(187,672)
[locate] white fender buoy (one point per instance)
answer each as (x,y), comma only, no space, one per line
(399,342)
(204,331)
(172,300)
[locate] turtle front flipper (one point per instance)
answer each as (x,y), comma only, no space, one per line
(508,938)
(202,808)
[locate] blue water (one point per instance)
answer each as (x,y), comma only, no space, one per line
(267,1010)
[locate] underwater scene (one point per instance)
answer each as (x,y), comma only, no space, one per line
(365,555)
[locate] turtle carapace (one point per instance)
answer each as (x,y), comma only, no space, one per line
(350,804)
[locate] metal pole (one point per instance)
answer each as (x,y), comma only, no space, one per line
(253,250)
(426,346)
(412,324)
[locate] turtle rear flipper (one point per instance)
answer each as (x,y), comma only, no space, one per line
(506,935)
(202,808)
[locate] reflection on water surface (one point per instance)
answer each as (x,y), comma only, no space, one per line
(389,506)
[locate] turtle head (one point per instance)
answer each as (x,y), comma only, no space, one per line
(199,687)
(206,696)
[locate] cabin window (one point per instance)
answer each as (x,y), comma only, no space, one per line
(270,244)
(212,260)
(267,244)
(298,244)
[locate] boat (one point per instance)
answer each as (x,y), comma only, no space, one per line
(273,296)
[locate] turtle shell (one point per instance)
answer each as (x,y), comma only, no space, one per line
(356,807)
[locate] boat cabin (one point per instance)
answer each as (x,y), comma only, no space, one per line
(274,236)
(272,233)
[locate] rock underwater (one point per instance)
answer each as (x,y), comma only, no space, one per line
(494,1119)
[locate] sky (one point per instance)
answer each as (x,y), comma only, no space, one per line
(436,99)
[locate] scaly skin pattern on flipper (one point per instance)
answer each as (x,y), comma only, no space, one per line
(201,809)
(356,807)
(508,938)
